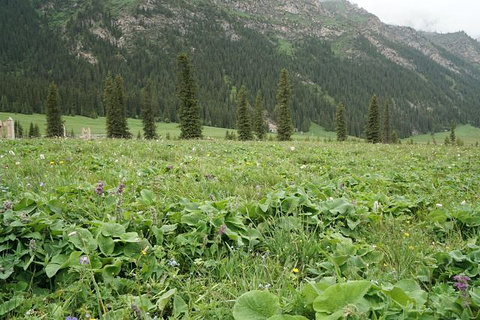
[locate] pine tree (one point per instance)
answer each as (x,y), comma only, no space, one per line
(452,133)
(119,105)
(54,117)
(341,123)
(244,123)
(447,141)
(31,131)
(386,124)
(395,138)
(189,113)
(18,130)
(148,112)
(284,96)
(37,131)
(259,120)
(108,105)
(372,129)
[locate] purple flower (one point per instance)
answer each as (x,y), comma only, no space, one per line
(84,260)
(461,283)
(71,318)
(222,230)
(121,188)
(172,263)
(7,205)
(169,167)
(99,190)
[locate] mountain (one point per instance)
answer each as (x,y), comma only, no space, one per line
(334,50)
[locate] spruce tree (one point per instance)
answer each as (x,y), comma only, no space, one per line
(284,117)
(244,122)
(189,113)
(31,130)
(452,133)
(447,141)
(387,138)
(18,130)
(259,120)
(341,123)
(53,114)
(372,129)
(148,112)
(108,105)
(37,131)
(119,105)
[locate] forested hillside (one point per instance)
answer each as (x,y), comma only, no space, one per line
(330,48)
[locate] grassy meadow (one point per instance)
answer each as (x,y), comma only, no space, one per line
(115,229)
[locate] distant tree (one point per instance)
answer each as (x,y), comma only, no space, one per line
(341,123)
(31,130)
(139,135)
(394,138)
(148,112)
(53,113)
(447,140)
(244,122)
(119,102)
(372,129)
(284,96)
(72,133)
(259,125)
(37,131)
(189,113)
(108,105)
(386,124)
(18,129)
(452,132)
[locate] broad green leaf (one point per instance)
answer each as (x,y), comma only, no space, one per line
(165,298)
(83,240)
(256,305)
(287,317)
(106,244)
(413,290)
(130,237)
(340,295)
(58,262)
(179,306)
(148,197)
(11,305)
(112,229)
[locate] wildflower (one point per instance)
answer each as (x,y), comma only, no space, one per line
(61,162)
(120,188)
(292,148)
(41,184)
(173,263)
(7,205)
(411,247)
(84,260)
(17,163)
(33,245)
(42,157)
(99,190)
(222,230)
(461,283)
(11,153)
(169,167)
(71,318)
(376,205)
(303,167)
(406,234)
(439,205)
(136,311)
(72,234)
(295,270)
(144,251)
(52,163)
(463,203)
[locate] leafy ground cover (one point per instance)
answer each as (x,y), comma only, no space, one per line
(229,230)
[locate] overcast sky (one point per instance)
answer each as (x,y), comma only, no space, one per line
(429,15)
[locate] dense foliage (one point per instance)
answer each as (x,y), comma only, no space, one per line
(283,108)
(37,42)
(120,229)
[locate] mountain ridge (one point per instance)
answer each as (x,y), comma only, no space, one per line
(335,51)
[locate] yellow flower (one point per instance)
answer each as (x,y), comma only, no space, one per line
(52,163)
(407,234)
(61,162)
(144,251)
(295,270)
(411,247)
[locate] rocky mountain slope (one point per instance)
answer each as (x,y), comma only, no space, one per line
(334,50)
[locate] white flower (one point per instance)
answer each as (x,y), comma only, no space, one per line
(292,148)
(439,205)
(303,167)
(17,163)
(42,156)
(463,203)
(11,153)
(376,205)
(72,234)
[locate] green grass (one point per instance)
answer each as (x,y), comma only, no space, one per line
(341,211)
(97,127)
(467,133)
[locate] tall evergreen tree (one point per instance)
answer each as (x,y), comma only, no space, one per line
(148,112)
(259,120)
(387,135)
(189,113)
(18,129)
(372,129)
(341,123)
(54,116)
(108,105)
(31,130)
(452,132)
(37,131)
(284,118)
(119,104)
(244,123)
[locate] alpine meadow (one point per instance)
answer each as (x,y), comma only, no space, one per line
(236,160)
